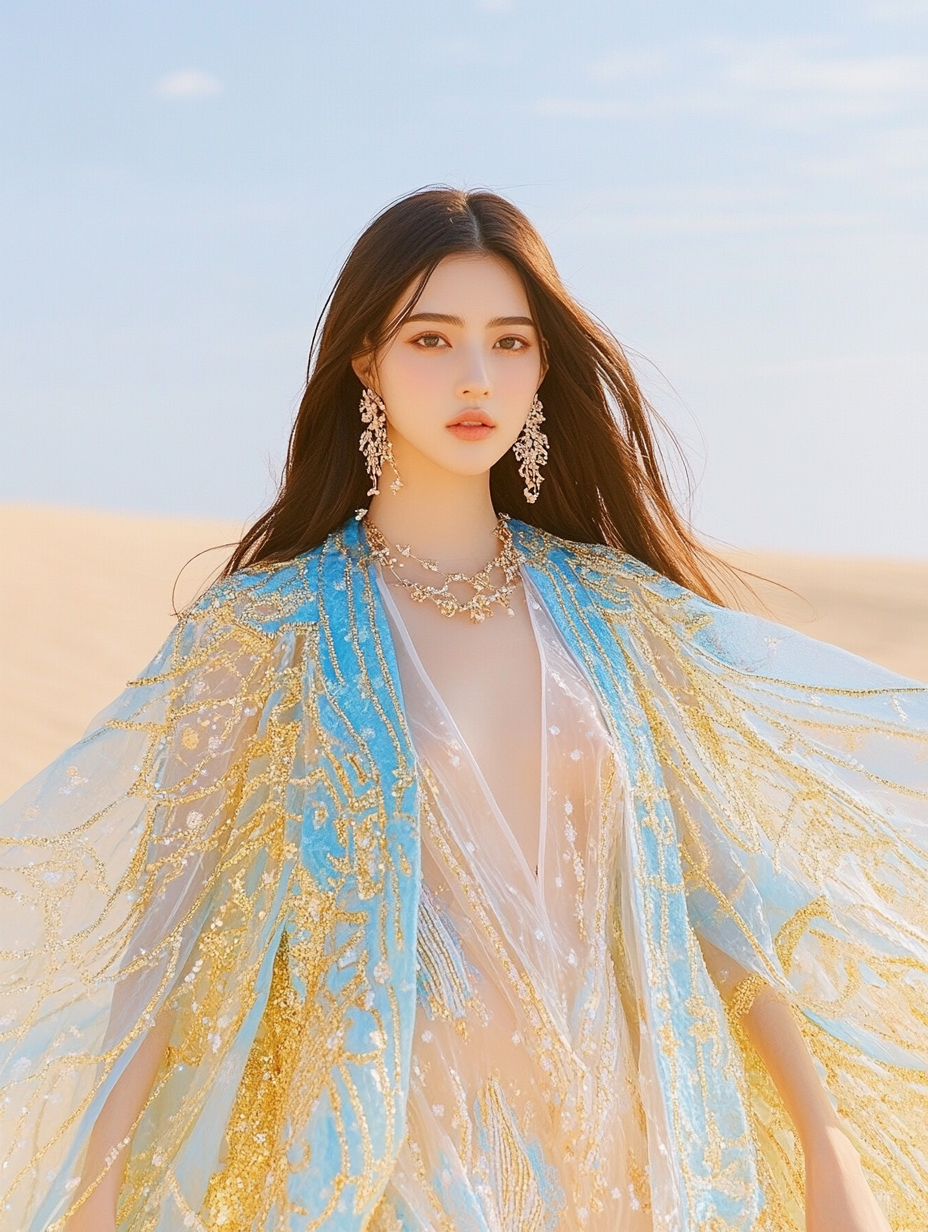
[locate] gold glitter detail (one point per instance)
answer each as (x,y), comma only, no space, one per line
(443,978)
(189,738)
(824,781)
(509,1173)
(743,996)
(210,758)
(789,936)
(820,782)
(239,1195)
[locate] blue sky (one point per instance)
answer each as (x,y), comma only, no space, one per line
(738,189)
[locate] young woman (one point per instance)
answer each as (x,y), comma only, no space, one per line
(461,862)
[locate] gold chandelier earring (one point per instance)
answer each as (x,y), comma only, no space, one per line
(375,444)
(531,450)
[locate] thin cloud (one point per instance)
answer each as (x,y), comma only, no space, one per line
(683,197)
(188,83)
(795,87)
(900,10)
(907,148)
(726,222)
(584,108)
(637,62)
(795,82)
(706,102)
(893,152)
(860,77)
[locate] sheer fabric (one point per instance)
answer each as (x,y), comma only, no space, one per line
(523,1107)
(237,840)
(234,842)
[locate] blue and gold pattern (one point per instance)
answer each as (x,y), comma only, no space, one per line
(235,843)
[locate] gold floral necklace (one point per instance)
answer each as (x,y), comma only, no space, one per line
(480,606)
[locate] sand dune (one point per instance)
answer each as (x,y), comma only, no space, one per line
(84,605)
(874,608)
(86,601)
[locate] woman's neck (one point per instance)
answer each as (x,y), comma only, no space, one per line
(445,517)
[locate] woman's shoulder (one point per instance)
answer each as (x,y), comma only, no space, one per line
(653,610)
(265,597)
(596,564)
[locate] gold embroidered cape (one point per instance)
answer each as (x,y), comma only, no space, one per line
(235,842)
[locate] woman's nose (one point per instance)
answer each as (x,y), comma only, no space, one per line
(474,381)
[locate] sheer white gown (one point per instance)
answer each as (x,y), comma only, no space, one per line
(524,1112)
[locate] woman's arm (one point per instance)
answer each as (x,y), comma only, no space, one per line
(112,1133)
(838,1197)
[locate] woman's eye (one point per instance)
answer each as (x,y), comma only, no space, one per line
(512,344)
(430,341)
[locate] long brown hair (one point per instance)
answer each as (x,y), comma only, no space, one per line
(604,481)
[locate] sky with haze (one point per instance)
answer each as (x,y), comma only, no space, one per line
(737,187)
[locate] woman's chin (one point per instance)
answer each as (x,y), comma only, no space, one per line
(465,461)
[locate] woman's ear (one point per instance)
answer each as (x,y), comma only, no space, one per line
(544,361)
(363,366)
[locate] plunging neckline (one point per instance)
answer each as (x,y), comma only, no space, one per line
(533,602)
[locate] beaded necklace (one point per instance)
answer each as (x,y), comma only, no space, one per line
(480,606)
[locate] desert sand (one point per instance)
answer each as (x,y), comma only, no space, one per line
(86,600)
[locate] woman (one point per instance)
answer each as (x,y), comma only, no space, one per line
(454,870)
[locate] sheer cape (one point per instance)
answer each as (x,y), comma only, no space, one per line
(235,842)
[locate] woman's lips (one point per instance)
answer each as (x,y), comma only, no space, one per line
(471,426)
(470,431)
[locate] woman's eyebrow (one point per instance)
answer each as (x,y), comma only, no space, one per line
(446,319)
(443,317)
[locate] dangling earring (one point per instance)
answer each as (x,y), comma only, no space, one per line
(531,449)
(375,444)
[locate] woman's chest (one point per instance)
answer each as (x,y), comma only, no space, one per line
(487,681)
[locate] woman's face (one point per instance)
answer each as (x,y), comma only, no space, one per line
(459,376)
